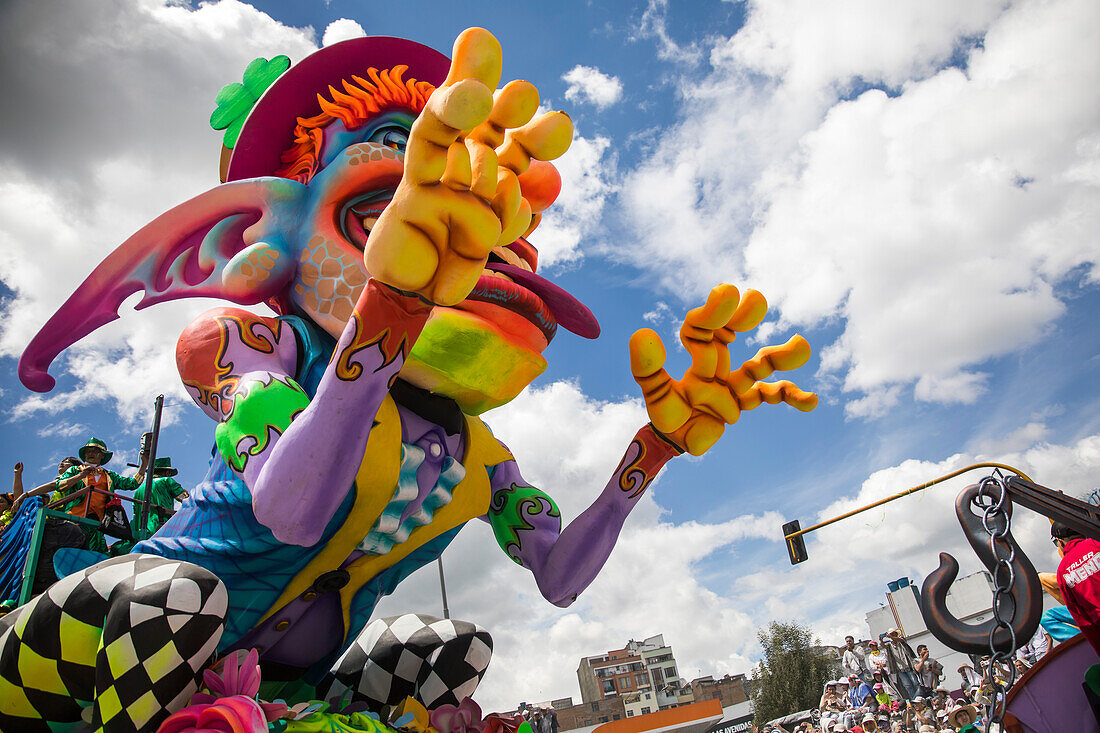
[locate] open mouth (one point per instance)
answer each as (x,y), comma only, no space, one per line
(361,218)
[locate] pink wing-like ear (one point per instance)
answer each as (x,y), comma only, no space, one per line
(208,246)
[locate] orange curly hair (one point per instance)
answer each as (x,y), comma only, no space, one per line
(359,102)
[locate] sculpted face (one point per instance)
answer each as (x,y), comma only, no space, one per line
(290,224)
(481,352)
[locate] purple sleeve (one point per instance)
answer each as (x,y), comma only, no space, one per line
(528,525)
(311,467)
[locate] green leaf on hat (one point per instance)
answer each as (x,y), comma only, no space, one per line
(261,73)
(235,101)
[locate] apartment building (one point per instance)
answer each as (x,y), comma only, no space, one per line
(643,674)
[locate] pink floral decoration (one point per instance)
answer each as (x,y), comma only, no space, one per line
(466,718)
(232,707)
(240,676)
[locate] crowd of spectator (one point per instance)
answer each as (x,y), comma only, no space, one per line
(96,499)
(890,687)
(542,720)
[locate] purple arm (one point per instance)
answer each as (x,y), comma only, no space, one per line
(527,523)
(297,456)
(313,464)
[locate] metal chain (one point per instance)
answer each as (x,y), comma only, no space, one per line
(992,499)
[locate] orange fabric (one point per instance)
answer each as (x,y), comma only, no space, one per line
(98,480)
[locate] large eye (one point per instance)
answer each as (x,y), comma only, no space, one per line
(392,136)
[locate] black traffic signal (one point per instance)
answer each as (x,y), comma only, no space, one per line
(796,546)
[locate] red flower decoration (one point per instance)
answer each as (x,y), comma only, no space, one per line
(236,714)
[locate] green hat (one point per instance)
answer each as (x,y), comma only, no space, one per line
(95,443)
(164,465)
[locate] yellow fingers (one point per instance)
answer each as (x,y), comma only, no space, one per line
(750,312)
(457,174)
(449,111)
(692,412)
(513,106)
(476,55)
(783,391)
(514,227)
(667,408)
(461,103)
(700,323)
(768,360)
(709,358)
(545,138)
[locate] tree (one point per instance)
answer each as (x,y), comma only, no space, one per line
(792,673)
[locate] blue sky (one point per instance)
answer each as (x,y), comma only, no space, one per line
(912,185)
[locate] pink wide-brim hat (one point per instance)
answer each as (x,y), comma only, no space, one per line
(269,129)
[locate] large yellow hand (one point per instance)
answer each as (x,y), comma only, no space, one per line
(460,196)
(694,411)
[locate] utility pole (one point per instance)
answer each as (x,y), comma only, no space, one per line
(158,405)
(443,588)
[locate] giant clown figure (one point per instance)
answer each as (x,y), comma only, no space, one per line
(378,198)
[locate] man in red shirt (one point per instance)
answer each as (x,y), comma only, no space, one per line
(1079,579)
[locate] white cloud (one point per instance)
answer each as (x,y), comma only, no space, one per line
(961,387)
(589,84)
(654,25)
(812,44)
(587,170)
(934,224)
(62,430)
(662,312)
(341,29)
(1032,433)
(875,403)
(141,73)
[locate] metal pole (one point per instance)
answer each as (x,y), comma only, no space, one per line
(158,404)
(443,588)
(30,566)
(900,494)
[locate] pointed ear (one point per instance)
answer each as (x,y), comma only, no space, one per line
(224,243)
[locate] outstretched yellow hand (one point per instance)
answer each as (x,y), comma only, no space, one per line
(460,195)
(694,411)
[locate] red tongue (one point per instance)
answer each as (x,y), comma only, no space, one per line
(567,310)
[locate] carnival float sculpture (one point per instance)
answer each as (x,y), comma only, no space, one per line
(378,197)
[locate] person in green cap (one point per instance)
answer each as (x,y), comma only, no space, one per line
(93,504)
(165,491)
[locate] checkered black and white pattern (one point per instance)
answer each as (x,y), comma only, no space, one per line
(119,645)
(436,661)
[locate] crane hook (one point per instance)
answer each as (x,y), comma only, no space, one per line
(1021,607)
